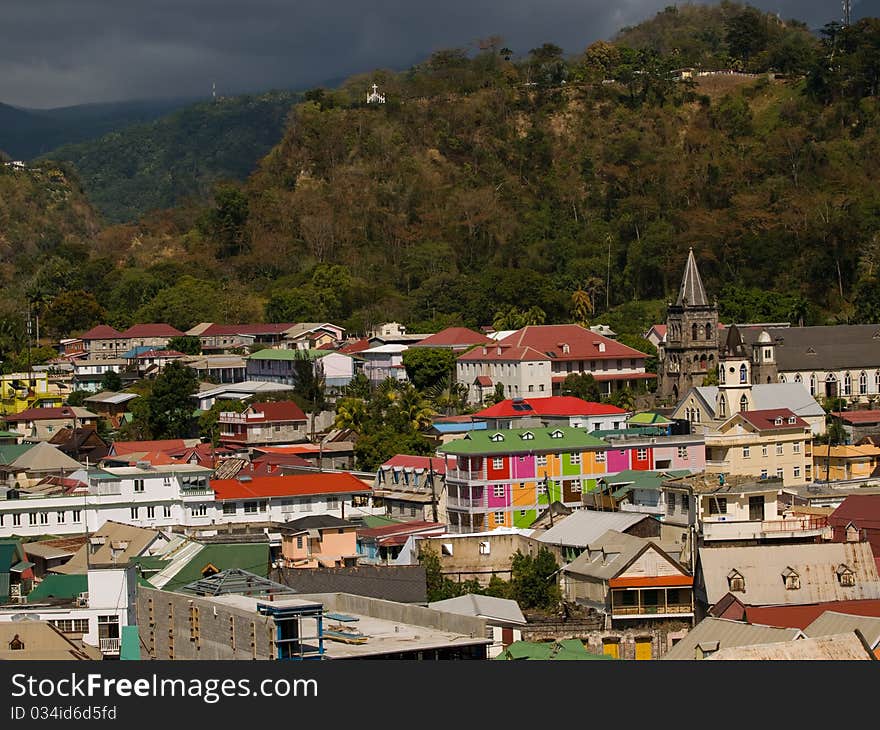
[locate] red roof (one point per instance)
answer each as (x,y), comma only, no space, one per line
(48,414)
(102,332)
(766,420)
(660,329)
(159,329)
(281,460)
(283,410)
(558,405)
(156,458)
(293,485)
(484,380)
(582,343)
(603,377)
(271,328)
(292,449)
(799,617)
(859,416)
(356,346)
(454,337)
(120,448)
(863,510)
(503,352)
(416,462)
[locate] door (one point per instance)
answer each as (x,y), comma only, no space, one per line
(611,647)
(643,648)
(756,509)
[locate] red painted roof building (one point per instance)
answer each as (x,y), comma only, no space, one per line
(562,410)
(263,424)
(856,519)
(454,338)
(534,361)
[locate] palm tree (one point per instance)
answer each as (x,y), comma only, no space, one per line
(414,408)
(448,397)
(351,413)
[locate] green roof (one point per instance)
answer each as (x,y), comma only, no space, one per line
(649,419)
(514,440)
(59,586)
(252,557)
(10,452)
(272,354)
(564,650)
(130,646)
(149,563)
(378,521)
(9,554)
(639,479)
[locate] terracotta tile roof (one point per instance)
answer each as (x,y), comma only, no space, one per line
(582,343)
(767,420)
(503,351)
(356,346)
(289,486)
(102,332)
(50,414)
(560,405)
(454,337)
(159,329)
(484,380)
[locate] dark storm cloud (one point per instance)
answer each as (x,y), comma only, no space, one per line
(58,52)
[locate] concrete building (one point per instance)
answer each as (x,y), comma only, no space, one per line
(263,424)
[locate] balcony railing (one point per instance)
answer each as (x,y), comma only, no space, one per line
(109,646)
(758,529)
(650,610)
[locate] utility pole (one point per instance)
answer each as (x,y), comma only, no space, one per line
(847,12)
(608,278)
(433,492)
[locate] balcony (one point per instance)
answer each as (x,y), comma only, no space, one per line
(673,609)
(800,527)
(648,509)
(716,464)
(109,645)
(465,475)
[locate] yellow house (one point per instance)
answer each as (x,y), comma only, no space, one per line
(20,391)
(838,463)
(767,443)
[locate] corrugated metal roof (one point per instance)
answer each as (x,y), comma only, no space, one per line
(583,527)
(488,607)
(816,565)
(727,634)
(842,647)
(606,557)
(833,622)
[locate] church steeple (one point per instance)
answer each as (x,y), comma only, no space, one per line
(692,293)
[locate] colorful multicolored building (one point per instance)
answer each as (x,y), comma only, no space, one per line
(505,478)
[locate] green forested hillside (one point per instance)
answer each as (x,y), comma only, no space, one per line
(157,164)
(545,189)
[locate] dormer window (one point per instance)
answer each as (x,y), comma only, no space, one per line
(735,582)
(852,533)
(496,437)
(16,644)
(565,348)
(778,421)
(557,434)
(791,579)
(792,420)
(845,576)
(527,436)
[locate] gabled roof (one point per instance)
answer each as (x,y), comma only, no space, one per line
(294,485)
(121,448)
(584,526)
(559,650)
(315,522)
(401,528)
(763,566)
(250,557)
(519,440)
(691,293)
(50,414)
(557,405)
(501,610)
(799,617)
(840,647)
(44,457)
(284,410)
(425,463)
(454,337)
(773,419)
(859,417)
(267,328)
(793,396)
(129,542)
(863,510)
(612,553)
(159,329)
(356,346)
(834,622)
(102,332)
(722,633)
(108,396)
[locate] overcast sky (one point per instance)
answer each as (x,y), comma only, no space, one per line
(61,52)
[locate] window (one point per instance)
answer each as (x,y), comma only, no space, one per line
(685,503)
(134,512)
(166,481)
(16,519)
(498,490)
(299,542)
(522,513)
(670,503)
(736,582)
(797,472)
(229,508)
(499,518)
(305,504)
(61,517)
(682,452)
(708,330)
(250,508)
(746,452)
(768,353)
(75,516)
(641,454)
(847,384)
(845,576)
(32,518)
(813,384)
(791,579)
(694,332)
(863,383)
(71,625)
(542,488)
(166,510)
(722,406)
(44,518)
(796,447)
(332,503)
(764,450)
(763,473)
(600,457)
(497,463)
(744,403)
(779,449)
(575,458)
(138,485)
(717,505)
(743,373)
(200,510)
(485,548)
(412,511)
(16,644)
(151,512)
(527,436)
(531,388)
(779,472)
(541,460)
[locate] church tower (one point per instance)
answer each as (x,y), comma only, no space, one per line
(690,348)
(734,376)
